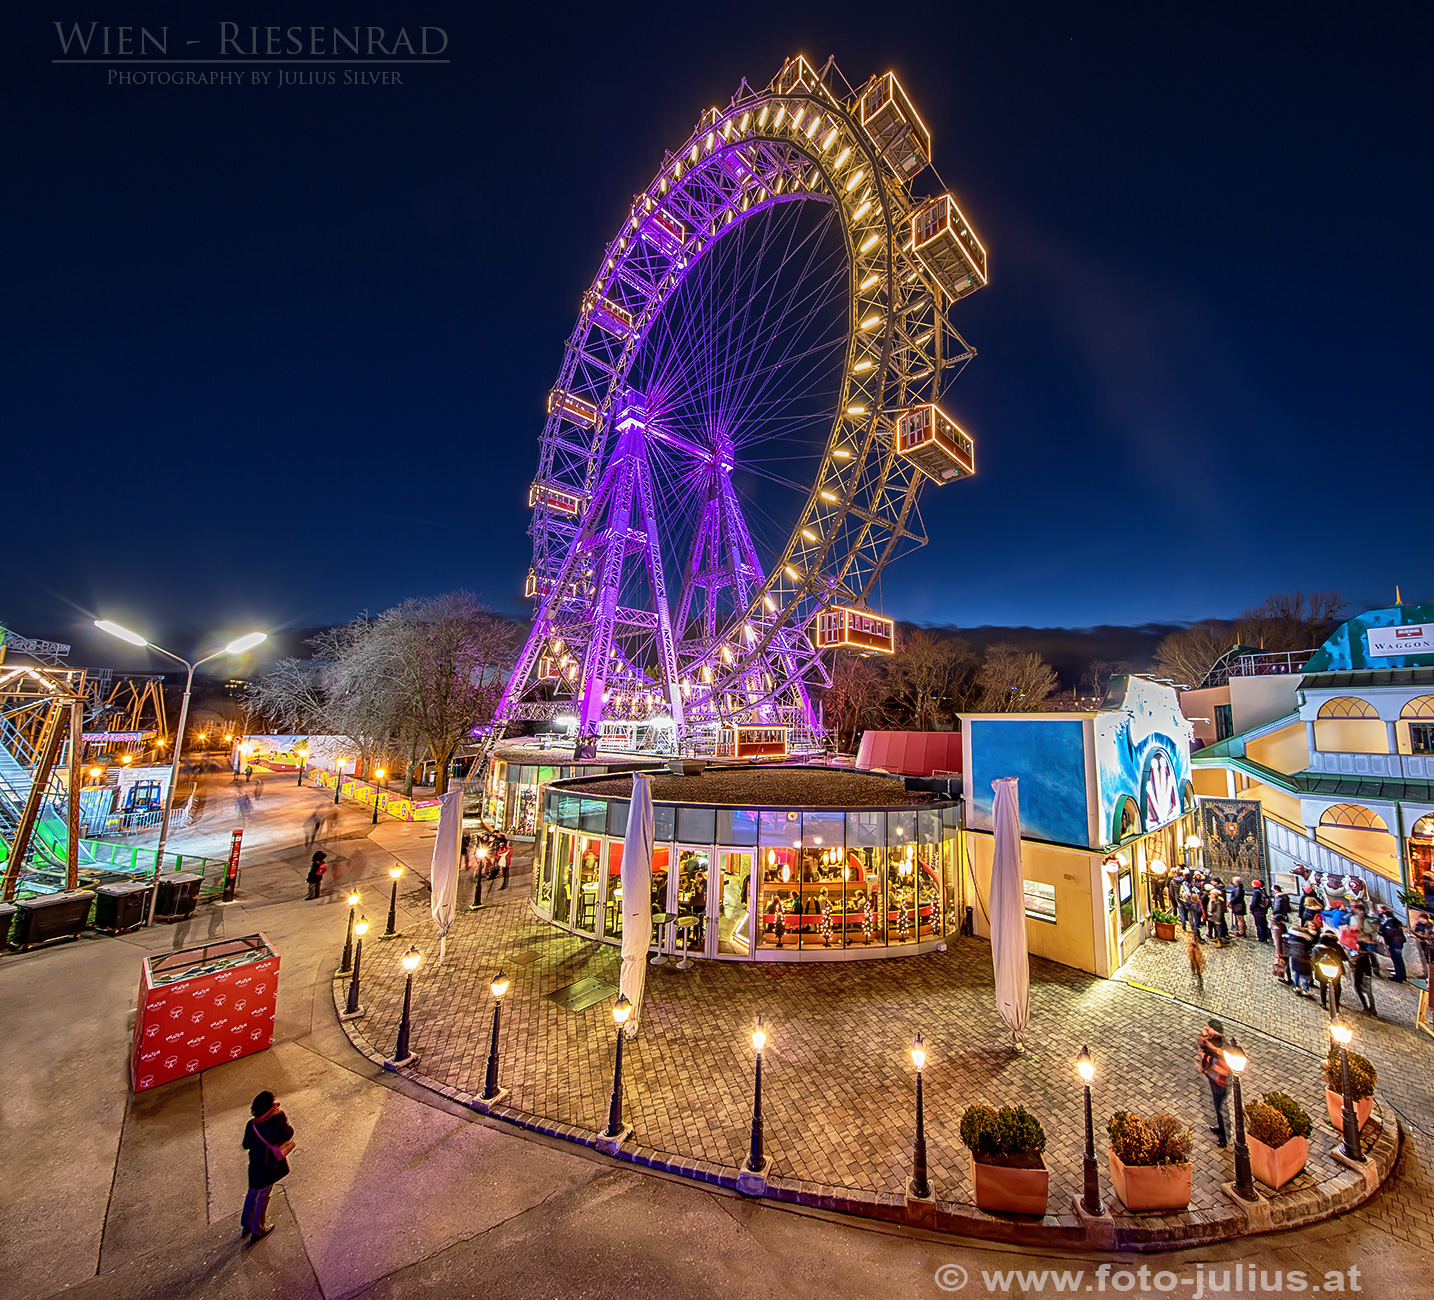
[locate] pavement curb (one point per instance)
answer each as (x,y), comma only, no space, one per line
(1336,1193)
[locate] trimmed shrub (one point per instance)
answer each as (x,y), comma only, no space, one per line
(1264,1122)
(1362,1074)
(1130,1138)
(1007,1132)
(1301,1126)
(1172,1140)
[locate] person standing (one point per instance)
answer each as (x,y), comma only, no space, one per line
(1238,905)
(1362,962)
(1177,896)
(1215,910)
(316,872)
(1260,910)
(1311,909)
(504,855)
(1195,910)
(1216,1072)
(268,1138)
(1327,952)
(1392,933)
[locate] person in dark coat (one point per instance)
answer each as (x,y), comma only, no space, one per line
(1238,905)
(1177,896)
(1327,952)
(268,1138)
(316,873)
(1297,954)
(1393,935)
(1363,964)
(1311,909)
(1195,910)
(1260,910)
(1279,904)
(1216,1071)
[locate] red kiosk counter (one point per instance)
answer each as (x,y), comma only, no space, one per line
(201,1006)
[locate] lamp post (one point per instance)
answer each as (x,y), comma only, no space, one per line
(379,774)
(391,932)
(490,1083)
(1090,1197)
(1244,1181)
(920,1183)
(352,1010)
(349,938)
(303,762)
(1191,842)
(1344,1035)
(401,1054)
(235,647)
(622,1008)
(755,1155)
(338,777)
(1331,970)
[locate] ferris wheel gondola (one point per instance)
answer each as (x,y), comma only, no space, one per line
(746,413)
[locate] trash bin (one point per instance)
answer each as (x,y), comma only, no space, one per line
(50,918)
(178,896)
(7,919)
(119,907)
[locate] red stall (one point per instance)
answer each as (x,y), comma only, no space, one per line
(201,1006)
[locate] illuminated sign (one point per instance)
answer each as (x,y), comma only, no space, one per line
(1411,639)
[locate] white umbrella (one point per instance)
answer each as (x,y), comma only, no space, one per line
(1009,952)
(637,896)
(443,877)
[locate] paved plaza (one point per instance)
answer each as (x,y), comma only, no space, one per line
(837,1079)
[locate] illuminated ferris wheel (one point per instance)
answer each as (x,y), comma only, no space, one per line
(745,416)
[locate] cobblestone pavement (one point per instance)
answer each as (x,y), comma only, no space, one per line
(837,1078)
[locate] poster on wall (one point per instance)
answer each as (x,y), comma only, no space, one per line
(1142,759)
(1233,834)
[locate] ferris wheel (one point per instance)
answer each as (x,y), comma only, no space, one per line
(746,413)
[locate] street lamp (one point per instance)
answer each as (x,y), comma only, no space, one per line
(235,647)
(338,777)
(1090,1198)
(401,1054)
(303,762)
(1331,969)
(349,938)
(621,1009)
(920,1184)
(1244,1182)
(490,1084)
(352,1010)
(379,775)
(754,1156)
(392,933)
(1158,870)
(1344,1035)
(1191,842)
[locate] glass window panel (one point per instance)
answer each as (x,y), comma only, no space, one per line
(612,913)
(736,827)
(928,891)
(900,829)
(950,816)
(928,826)
(780,829)
(779,923)
(692,882)
(733,914)
(664,821)
(568,807)
(566,852)
(593,817)
(546,774)
(617,816)
(696,825)
(661,861)
(1040,900)
(866,887)
(589,883)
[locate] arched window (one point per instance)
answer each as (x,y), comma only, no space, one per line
(1352,817)
(1347,706)
(1421,706)
(1127,820)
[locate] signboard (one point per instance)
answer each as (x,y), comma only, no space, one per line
(231,870)
(1233,834)
(1411,639)
(114,737)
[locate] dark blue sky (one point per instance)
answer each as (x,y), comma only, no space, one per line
(273,356)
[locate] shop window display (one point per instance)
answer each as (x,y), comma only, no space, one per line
(612,908)
(734,906)
(866,861)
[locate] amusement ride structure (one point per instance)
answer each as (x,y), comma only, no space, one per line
(746,413)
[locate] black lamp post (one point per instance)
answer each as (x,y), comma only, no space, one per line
(490,1084)
(401,1054)
(755,1155)
(1244,1181)
(338,779)
(349,937)
(1090,1197)
(920,1183)
(1332,970)
(378,774)
(351,1008)
(303,762)
(622,1008)
(392,931)
(1344,1035)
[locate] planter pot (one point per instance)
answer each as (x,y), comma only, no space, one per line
(1335,1102)
(1165,930)
(1011,1189)
(1149,1187)
(1275,1166)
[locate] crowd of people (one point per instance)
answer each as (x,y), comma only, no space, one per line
(1319,938)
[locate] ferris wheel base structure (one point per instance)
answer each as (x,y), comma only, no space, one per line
(721,343)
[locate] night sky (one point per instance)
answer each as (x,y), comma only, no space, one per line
(273,356)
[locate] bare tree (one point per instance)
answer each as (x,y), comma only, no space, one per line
(1013,681)
(856,699)
(1294,620)
(1098,674)
(1187,656)
(929,678)
(290,697)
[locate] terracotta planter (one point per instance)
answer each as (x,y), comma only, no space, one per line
(1010,1189)
(1165,930)
(1149,1187)
(1275,1166)
(1335,1102)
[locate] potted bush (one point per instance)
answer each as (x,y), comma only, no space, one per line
(1362,1078)
(1164,924)
(1278,1131)
(1149,1161)
(1006,1166)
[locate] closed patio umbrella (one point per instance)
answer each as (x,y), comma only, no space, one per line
(443,876)
(637,897)
(1009,952)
